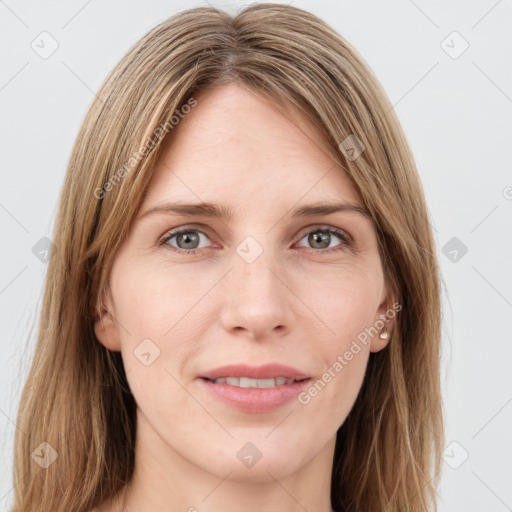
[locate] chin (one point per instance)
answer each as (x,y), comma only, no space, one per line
(266,469)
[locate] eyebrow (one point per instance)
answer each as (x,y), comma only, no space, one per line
(225,213)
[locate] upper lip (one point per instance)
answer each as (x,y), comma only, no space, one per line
(266,371)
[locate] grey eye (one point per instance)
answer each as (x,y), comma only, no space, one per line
(186,239)
(322,238)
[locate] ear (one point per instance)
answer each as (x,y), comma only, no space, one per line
(105,325)
(385,320)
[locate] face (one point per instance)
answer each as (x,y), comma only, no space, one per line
(257,286)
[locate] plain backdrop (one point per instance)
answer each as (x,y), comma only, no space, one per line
(446,67)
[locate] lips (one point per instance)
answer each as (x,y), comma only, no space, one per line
(254,399)
(266,371)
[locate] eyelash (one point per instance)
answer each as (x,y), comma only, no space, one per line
(345,239)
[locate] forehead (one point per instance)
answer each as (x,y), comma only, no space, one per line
(236,148)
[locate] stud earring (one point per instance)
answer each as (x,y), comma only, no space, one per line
(384,334)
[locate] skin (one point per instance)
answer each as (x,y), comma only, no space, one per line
(295,304)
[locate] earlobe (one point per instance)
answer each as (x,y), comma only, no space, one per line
(106,329)
(382,339)
(384,323)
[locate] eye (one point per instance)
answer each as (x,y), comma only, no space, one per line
(187,240)
(321,238)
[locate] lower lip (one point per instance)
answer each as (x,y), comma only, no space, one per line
(255,399)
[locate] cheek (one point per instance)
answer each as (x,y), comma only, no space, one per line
(346,302)
(344,357)
(159,327)
(343,298)
(154,301)
(152,311)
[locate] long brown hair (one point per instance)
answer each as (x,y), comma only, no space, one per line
(76,400)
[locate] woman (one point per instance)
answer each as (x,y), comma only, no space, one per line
(243,308)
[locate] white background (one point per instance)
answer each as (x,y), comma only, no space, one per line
(456,112)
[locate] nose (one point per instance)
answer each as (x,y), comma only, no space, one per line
(257,300)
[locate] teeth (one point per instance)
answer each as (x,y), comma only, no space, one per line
(246,382)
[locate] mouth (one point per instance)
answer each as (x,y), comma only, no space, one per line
(255,389)
(266,375)
(247,382)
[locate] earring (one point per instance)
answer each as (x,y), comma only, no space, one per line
(384,334)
